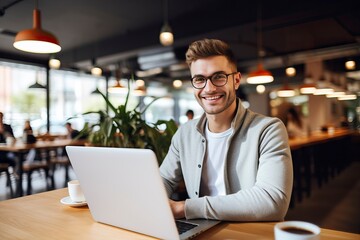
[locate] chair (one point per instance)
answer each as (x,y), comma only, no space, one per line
(4,167)
(37,161)
(60,159)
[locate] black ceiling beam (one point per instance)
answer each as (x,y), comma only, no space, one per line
(23,59)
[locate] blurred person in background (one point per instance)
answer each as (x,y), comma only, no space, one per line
(72,133)
(190,114)
(28,136)
(295,125)
(6,133)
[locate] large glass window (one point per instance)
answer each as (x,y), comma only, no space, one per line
(18,102)
(72,94)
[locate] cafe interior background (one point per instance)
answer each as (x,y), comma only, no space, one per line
(314,40)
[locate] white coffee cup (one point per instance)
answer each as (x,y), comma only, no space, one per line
(296,230)
(75,192)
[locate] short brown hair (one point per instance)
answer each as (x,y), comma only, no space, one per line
(207,48)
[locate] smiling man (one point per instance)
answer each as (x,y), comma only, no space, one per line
(236,164)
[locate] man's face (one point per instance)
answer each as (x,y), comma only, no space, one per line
(212,99)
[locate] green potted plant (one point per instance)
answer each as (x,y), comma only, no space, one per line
(126,128)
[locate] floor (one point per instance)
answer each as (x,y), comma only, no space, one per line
(335,206)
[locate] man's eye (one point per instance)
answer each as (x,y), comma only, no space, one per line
(199,79)
(218,76)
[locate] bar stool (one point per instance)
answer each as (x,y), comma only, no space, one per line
(4,167)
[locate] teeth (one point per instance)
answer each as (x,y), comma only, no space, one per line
(212,98)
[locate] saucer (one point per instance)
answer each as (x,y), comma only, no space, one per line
(67,201)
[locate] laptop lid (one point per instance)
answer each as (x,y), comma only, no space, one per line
(123,188)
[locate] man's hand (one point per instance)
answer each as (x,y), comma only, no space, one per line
(178,208)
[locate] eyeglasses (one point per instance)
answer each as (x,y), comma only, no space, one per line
(217,79)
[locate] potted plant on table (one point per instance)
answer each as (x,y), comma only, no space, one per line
(126,128)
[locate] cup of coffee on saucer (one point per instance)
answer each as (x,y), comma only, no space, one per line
(76,196)
(296,230)
(75,192)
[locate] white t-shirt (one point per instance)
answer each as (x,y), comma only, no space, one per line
(212,177)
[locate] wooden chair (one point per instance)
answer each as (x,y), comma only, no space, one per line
(4,167)
(61,161)
(39,163)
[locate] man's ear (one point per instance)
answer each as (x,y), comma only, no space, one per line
(237,80)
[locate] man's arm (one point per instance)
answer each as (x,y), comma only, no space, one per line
(178,208)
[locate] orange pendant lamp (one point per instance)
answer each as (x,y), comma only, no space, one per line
(36,40)
(259,76)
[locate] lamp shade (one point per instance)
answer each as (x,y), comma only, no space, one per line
(307,88)
(37,85)
(259,76)
(117,88)
(140,91)
(36,40)
(285,91)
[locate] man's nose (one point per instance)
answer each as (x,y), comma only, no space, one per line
(209,85)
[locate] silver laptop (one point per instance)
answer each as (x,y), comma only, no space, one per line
(123,188)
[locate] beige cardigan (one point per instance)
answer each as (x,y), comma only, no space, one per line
(258,169)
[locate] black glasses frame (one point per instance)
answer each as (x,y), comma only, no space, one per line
(211,80)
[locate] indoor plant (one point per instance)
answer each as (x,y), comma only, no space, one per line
(126,128)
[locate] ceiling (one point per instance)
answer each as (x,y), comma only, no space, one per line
(118,32)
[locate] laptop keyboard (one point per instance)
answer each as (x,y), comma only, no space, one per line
(184,226)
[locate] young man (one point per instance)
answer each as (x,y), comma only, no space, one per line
(236,164)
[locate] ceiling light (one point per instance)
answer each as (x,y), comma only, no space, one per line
(36,40)
(37,85)
(95,70)
(323,91)
(308,87)
(140,89)
(323,87)
(166,36)
(350,65)
(290,71)
(118,87)
(347,97)
(260,89)
(285,91)
(177,83)
(54,63)
(335,94)
(259,76)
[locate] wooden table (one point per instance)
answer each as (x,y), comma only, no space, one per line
(319,137)
(42,216)
(20,149)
